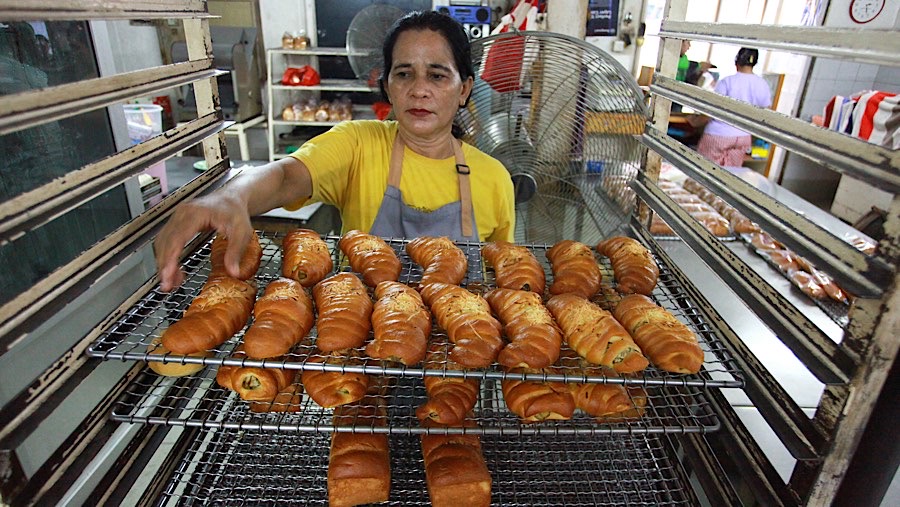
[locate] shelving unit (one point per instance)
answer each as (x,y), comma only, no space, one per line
(279,96)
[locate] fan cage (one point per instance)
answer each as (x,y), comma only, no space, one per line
(365,37)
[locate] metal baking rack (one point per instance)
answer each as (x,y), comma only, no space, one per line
(130,337)
(198,401)
(228,467)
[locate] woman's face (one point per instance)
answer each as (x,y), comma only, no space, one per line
(424,85)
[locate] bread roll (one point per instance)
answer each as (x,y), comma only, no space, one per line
(253,383)
(305,257)
(668,343)
(332,388)
(449,398)
(467,319)
(455,471)
(713,222)
(282,317)
(359,465)
(575,269)
(173,367)
(534,337)
(249,262)
(440,259)
(537,401)
(595,335)
(371,257)
(345,310)
(219,311)
(634,267)
(515,267)
(606,402)
(401,324)
(658,227)
(288,400)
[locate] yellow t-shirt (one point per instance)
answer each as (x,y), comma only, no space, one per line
(349,167)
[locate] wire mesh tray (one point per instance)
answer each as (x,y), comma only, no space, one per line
(130,336)
(199,401)
(230,467)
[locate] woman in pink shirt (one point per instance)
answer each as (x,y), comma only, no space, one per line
(722,143)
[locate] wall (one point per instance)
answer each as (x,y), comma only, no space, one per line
(628,55)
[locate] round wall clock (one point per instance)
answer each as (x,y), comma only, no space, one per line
(863,11)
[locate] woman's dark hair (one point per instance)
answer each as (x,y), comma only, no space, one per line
(452,31)
(746,56)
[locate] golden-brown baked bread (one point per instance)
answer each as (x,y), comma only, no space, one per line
(400,323)
(359,465)
(449,398)
(249,262)
(467,319)
(253,383)
(220,309)
(607,402)
(533,335)
(441,260)
(455,471)
(305,257)
(371,257)
(515,267)
(634,267)
(575,270)
(658,227)
(595,335)
(345,309)
(713,222)
(281,318)
(173,367)
(332,388)
(287,401)
(668,343)
(537,401)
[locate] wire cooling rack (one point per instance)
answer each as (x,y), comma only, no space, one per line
(232,467)
(199,402)
(130,337)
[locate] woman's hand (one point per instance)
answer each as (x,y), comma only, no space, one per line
(220,211)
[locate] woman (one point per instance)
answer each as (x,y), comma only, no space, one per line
(721,143)
(403,178)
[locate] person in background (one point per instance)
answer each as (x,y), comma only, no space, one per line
(684,62)
(403,179)
(721,143)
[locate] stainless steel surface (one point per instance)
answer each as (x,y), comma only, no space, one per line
(228,467)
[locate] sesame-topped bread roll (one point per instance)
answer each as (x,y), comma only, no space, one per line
(248,264)
(634,267)
(441,260)
(401,324)
(467,319)
(281,318)
(305,257)
(575,270)
(219,311)
(595,335)
(668,343)
(534,337)
(344,310)
(371,257)
(515,267)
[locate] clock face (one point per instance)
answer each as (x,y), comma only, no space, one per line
(863,11)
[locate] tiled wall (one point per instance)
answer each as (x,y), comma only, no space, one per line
(836,77)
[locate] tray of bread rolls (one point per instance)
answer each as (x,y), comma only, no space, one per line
(227,467)
(308,303)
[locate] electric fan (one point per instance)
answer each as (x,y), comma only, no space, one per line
(563,116)
(365,37)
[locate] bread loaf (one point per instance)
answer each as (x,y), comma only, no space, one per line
(633,266)
(371,257)
(173,367)
(455,471)
(515,267)
(537,401)
(449,398)
(281,318)
(219,311)
(332,388)
(359,465)
(668,343)
(534,337)
(595,335)
(440,259)
(253,383)
(344,310)
(401,324)
(249,262)
(467,319)
(305,257)
(575,270)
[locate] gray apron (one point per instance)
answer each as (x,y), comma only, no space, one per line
(395,219)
